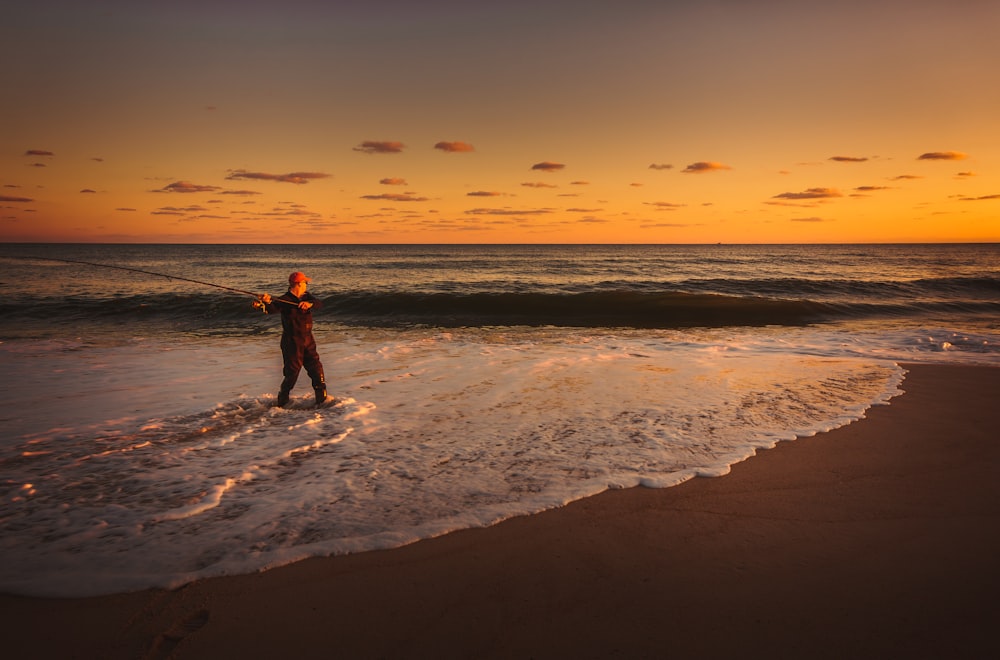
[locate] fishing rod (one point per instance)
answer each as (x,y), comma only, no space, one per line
(149,272)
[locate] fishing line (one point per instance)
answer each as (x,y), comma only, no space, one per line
(149,272)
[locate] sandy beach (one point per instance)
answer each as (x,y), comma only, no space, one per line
(877,540)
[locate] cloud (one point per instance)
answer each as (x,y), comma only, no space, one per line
(871,188)
(88,190)
(7,198)
(705,166)
(454,147)
(507,211)
(186,187)
(244,193)
(980,199)
(397,197)
(665,206)
(848,159)
(165,210)
(659,166)
(942,155)
(812,219)
(538,184)
(298,178)
(548,166)
(579,183)
(661,225)
(38,152)
(483,193)
(124,208)
(966,174)
(393,181)
(97,159)
(294,210)
(380,147)
(810,193)
(905,177)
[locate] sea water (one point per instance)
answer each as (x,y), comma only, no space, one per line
(140,445)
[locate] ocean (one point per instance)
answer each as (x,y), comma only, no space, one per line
(140,445)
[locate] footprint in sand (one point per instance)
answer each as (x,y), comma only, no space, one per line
(166,642)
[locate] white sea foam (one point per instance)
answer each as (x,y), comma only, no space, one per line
(153,464)
(122,469)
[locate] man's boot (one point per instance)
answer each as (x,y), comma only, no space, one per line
(283,396)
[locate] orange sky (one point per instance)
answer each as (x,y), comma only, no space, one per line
(500,122)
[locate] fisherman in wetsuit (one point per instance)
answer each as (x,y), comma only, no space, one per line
(298,347)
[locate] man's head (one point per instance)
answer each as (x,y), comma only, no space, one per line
(297,283)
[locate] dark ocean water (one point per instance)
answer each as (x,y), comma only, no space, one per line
(475,286)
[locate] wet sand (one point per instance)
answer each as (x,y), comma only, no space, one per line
(880,539)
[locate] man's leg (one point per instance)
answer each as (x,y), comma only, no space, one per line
(292,357)
(310,358)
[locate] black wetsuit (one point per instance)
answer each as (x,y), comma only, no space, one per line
(298,347)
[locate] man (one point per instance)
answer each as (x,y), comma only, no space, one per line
(298,347)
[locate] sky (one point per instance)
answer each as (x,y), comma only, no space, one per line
(449,121)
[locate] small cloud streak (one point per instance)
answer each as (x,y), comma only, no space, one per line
(942,155)
(664,225)
(297,178)
(7,198)
(538,184)
(454,147)
(507,211)
(983,198)
(380,147)
(393,181)
(701,167)
(812,219)
(483,193)
(661,166)
(848,159)
(186,187)
(88,190)
(665,206)
(810,193)
(548,166)
(38,152)
(397,197)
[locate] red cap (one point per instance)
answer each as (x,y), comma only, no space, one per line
(297,277)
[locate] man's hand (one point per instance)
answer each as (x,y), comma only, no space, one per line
(265,298)
(304,306)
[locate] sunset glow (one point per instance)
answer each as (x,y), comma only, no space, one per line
(500,122)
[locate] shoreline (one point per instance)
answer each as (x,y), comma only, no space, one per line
(876,539)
